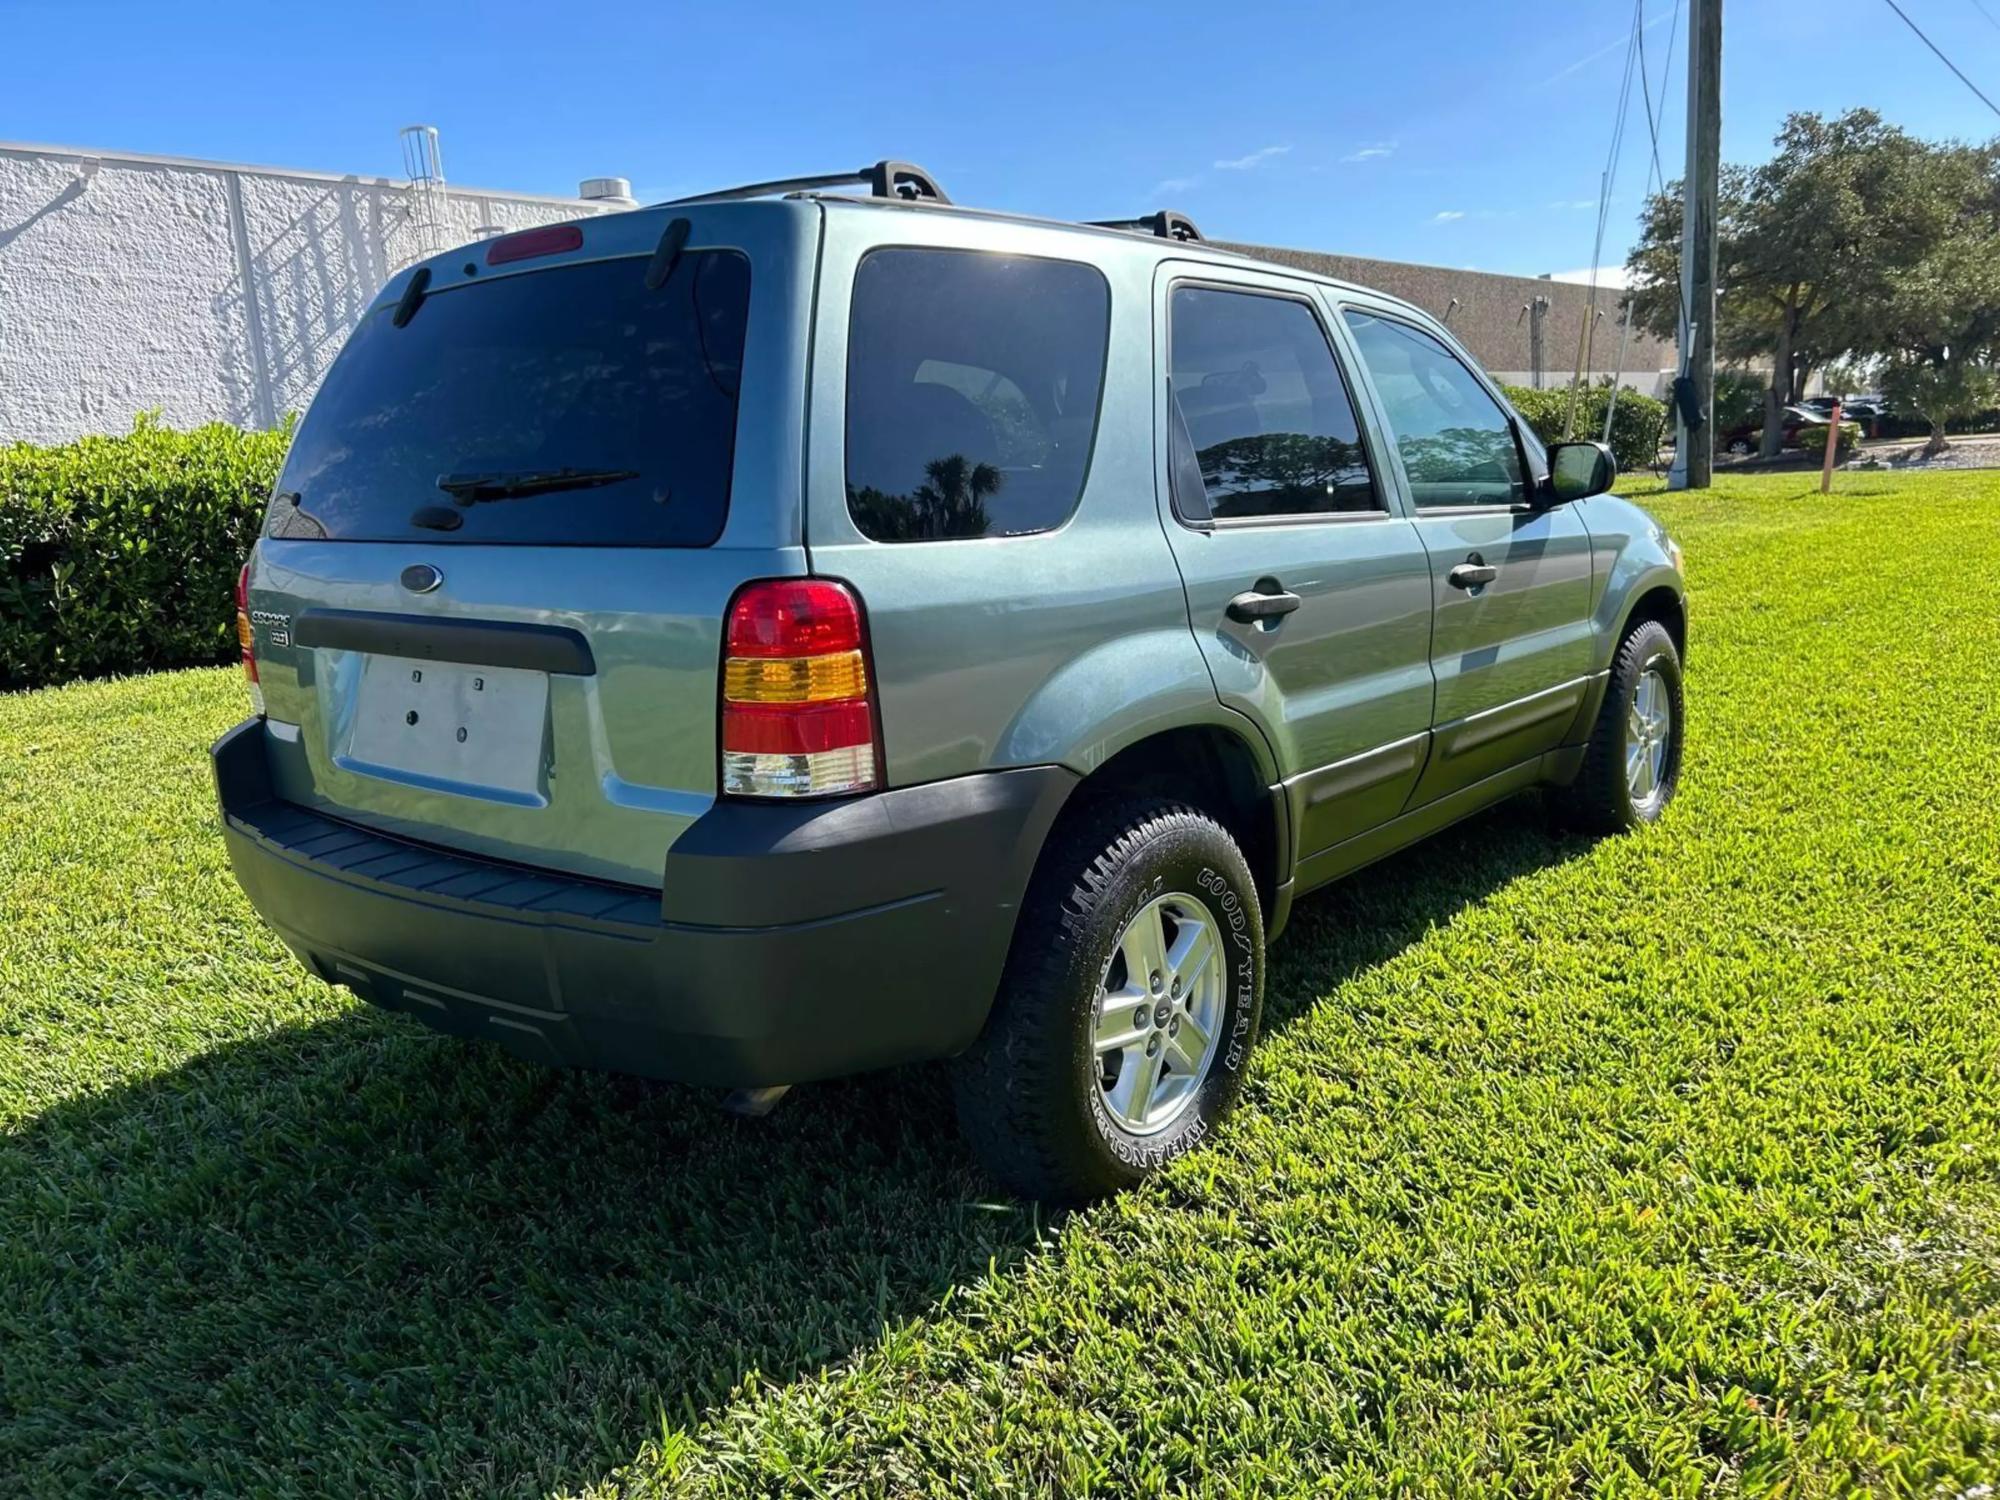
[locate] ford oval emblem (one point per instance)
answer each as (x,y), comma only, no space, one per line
(421,578)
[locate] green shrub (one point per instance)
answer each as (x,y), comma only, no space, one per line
(1635,431)
(1812,438)
(119,554)
(1739,398)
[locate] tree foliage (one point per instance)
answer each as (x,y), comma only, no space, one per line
(1856,237)
(951,502)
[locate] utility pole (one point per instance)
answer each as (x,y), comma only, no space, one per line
(1694,449)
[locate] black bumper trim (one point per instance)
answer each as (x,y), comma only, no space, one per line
(786,944)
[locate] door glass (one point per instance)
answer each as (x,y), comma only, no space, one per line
(1457,443)
(1261,410)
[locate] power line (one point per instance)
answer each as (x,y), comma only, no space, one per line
(1941,57)
(1980,6)
(1658,179)
(1586,336)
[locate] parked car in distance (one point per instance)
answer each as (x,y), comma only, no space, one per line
(1747,437)
(1856,408)
(788,632)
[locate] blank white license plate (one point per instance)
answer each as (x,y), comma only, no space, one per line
(478,727)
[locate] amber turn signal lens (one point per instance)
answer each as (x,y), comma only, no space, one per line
(794,679)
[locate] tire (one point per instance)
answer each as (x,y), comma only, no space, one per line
(1607,796)
(1043,1110)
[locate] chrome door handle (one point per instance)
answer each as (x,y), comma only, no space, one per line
(1472,575)
(1252,606)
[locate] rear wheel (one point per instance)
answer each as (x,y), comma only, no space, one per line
(1128,1008)
(1633,764)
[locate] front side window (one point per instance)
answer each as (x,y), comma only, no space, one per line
(1262,423)
(972,386)
(1457,444)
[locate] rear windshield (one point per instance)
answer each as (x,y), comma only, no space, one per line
(570,406)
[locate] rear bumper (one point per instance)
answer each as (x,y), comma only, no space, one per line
(786,944)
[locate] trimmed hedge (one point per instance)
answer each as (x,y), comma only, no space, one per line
(1813,438)
(1635,432)
(119,554)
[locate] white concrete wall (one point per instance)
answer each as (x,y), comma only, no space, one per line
(205,290)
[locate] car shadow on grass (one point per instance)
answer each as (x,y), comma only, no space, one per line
(356,1257)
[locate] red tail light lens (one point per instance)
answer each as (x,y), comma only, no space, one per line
(794,617)
(246,639)
(798,702)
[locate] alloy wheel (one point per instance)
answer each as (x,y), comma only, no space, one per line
(1159,1017)
(1649,732)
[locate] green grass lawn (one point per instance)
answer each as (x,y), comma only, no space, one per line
(1669,1163)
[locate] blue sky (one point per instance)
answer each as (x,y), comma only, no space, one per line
(1460,132)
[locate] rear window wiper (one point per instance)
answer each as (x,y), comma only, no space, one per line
(469,489)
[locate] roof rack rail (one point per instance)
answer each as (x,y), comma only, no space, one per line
(885,179)
(1167,224)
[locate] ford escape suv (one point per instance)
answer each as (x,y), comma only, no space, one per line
(789,632)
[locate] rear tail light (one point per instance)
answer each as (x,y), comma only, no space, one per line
(798,704)
(246,640)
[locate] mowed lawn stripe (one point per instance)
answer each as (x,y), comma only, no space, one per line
(1660,1164)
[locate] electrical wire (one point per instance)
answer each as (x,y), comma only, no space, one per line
(1941,57)
(1980,6)
(1586,335)
(1656,180)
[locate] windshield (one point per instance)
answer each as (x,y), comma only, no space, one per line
(570,406)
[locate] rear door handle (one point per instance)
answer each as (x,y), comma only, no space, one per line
(1471,575)
(1254,605)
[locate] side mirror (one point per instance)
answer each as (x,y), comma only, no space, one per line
(1579,470)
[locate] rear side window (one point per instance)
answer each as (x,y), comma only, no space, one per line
(1262,422)
(567,406)
(972,386)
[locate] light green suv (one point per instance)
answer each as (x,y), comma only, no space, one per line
(786,632)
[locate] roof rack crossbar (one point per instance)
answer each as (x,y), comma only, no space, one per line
(1167,224)
(885,179)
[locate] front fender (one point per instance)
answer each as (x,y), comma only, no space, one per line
(1631,557)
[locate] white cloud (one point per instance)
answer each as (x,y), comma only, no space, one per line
(1373,152)
(1447,215)
(1612,276)
(1174,185)
(1254,159)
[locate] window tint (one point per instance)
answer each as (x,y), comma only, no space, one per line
(1261,405)
(972,384)
(1457,444)
(517,377)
